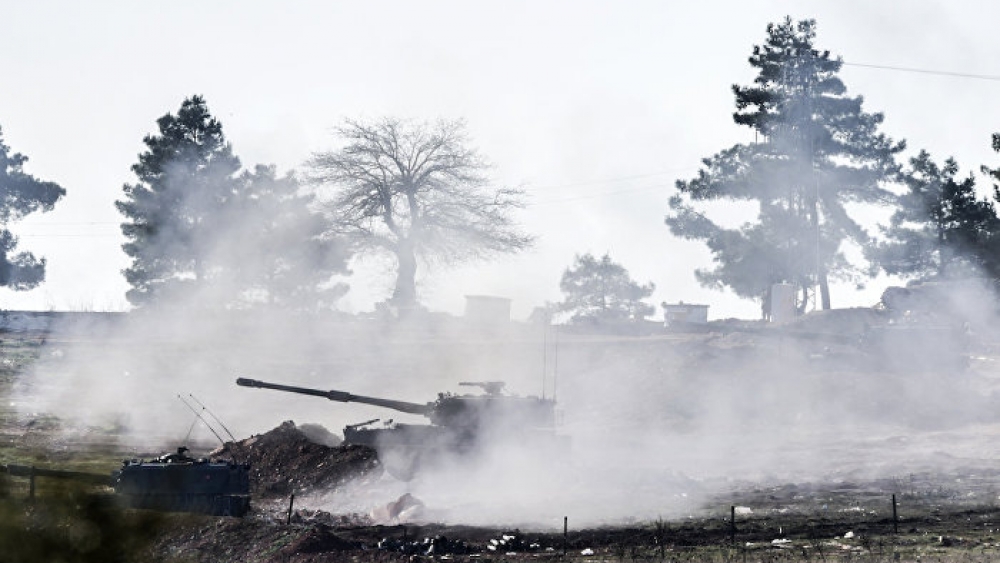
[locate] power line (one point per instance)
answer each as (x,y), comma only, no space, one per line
(633,190)
(81,224)
(990,77)
(610,180)
(598,195)
(68,235)
(927,71)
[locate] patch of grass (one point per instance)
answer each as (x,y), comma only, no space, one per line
(71,524)
(17,352)
(34,442)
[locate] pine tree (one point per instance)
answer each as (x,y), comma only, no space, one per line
(817,151)
(994,172)
(185,177)
(940,228)
(277,247)
(601,291)
(990,252)
(195,222)
(21,194)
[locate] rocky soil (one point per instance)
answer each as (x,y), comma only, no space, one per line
(285,460)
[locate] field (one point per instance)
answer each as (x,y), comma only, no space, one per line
(734,444)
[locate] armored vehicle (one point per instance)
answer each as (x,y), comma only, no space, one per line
(171,483)
(178,483)
(459,424)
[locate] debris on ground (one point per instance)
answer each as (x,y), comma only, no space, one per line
(507,543)
(403,509)
(437,545)
(513,542)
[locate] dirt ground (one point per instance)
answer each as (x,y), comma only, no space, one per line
(937,499)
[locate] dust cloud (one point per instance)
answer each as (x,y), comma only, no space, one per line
(655,424)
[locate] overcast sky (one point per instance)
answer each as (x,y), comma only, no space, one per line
(595,108)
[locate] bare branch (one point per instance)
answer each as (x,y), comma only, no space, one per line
(418,189)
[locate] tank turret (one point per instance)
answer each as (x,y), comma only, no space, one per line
(458,423)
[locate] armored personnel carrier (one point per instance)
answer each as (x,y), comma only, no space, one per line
(459,424)
(177,482)
(172,482)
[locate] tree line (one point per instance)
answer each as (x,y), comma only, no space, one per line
(197,222)
(200,228)
(818,158)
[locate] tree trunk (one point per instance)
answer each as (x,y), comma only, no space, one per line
(824,289)
(821,277)
(765,304)
(405,294)
(942,252)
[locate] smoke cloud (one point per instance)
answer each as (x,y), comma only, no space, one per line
(654,425)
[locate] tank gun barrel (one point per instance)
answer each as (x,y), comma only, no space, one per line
(341,396)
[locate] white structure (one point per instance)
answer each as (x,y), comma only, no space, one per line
(782,302)
(684,313)
(487,309)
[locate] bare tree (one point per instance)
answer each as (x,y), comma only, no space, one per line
(416,191)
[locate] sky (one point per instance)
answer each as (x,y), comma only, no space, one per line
(595,109)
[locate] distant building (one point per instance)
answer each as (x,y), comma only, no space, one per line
(487,309)
(684,313)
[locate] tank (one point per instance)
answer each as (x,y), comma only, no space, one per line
(459,424)
(177,482)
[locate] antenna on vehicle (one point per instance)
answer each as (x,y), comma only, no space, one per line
(190,429)
(201,418)
(555,366)
(554,328)
(215,418)
(209,426)
(545,353)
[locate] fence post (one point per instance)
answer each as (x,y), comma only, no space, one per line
(895,516)
(732,524)
(565,534)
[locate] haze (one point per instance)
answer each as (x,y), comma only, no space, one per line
(596,109)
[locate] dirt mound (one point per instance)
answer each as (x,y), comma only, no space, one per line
(284,461)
